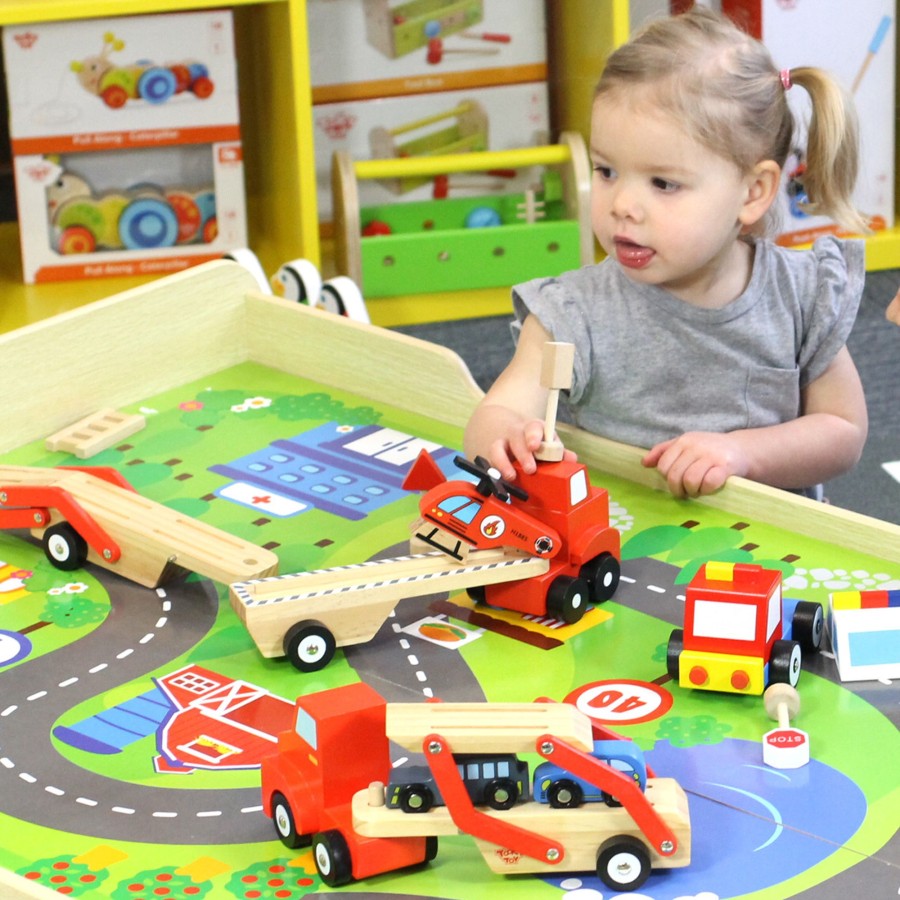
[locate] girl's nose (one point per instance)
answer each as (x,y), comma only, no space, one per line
(625,203)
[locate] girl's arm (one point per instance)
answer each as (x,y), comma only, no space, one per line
(893,310)
(825,441)
(507,424)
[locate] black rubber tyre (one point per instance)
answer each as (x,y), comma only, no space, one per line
(65,547)
(602,574)
(567,598)
(309,646)
(332,857)
(785,663)
(673,653)
(501,794)
(565,794)
(415,798)
(285,827)
(808,625)
(623,863)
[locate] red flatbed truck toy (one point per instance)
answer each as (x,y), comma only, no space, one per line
(320,787)
(92,513)
(740,634)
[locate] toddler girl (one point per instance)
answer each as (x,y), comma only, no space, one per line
(696,337)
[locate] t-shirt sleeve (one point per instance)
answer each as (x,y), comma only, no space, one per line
(840,277)
(558,304)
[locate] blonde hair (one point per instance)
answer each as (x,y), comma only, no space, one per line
(723,88)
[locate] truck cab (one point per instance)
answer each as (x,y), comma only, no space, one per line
(740,634)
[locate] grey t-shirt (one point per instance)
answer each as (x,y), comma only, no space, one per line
(649,367)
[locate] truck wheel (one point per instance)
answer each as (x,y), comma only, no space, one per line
(309,646)
(415,798)
(332,858)
(565,794)
(673,653)
(785,663)
(477,593)
(567,598)
(623,863)
(808,624)
(602,575)
(501,794)
(285,828)
(65,547)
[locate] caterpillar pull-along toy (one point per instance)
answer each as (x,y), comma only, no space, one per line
(143,217)
(142,80)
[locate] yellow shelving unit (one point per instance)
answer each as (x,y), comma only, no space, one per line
(276,120)
(276,125)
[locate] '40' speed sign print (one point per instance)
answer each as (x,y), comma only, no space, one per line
(621,701)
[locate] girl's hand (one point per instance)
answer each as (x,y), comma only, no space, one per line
(893,310)
(697,462)
(520,444)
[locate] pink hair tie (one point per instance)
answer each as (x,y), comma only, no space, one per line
(786,82)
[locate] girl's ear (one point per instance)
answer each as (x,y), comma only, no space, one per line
(762,188)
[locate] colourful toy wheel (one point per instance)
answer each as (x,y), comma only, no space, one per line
(76,239)
(114,96)
(210,230)
(156,85)
(206,203)
(202,87)
(188,214)
(148,222)
(182,77)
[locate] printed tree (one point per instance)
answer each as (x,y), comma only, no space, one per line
(191,882)
(73,876)
(277,879)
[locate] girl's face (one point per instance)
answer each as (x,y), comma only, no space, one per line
(668,209)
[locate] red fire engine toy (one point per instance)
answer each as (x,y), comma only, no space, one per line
(740,634)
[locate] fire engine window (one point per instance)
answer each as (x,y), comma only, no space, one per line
(306,728)
(578,487)
(461,507)
(724,621)
(774,611)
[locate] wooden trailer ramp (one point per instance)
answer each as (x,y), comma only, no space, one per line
(353,602)
(155,541)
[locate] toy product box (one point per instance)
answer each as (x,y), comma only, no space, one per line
(125,137)
(858,49)
(388,48)
(496,118)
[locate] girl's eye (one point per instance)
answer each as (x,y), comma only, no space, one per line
(605,172)
(662,184)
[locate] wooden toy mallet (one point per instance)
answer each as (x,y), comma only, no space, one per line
(556,375)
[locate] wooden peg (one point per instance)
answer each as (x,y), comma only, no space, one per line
(556,375)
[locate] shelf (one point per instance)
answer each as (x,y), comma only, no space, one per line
(276,127)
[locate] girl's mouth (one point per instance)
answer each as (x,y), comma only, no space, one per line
(631,255)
